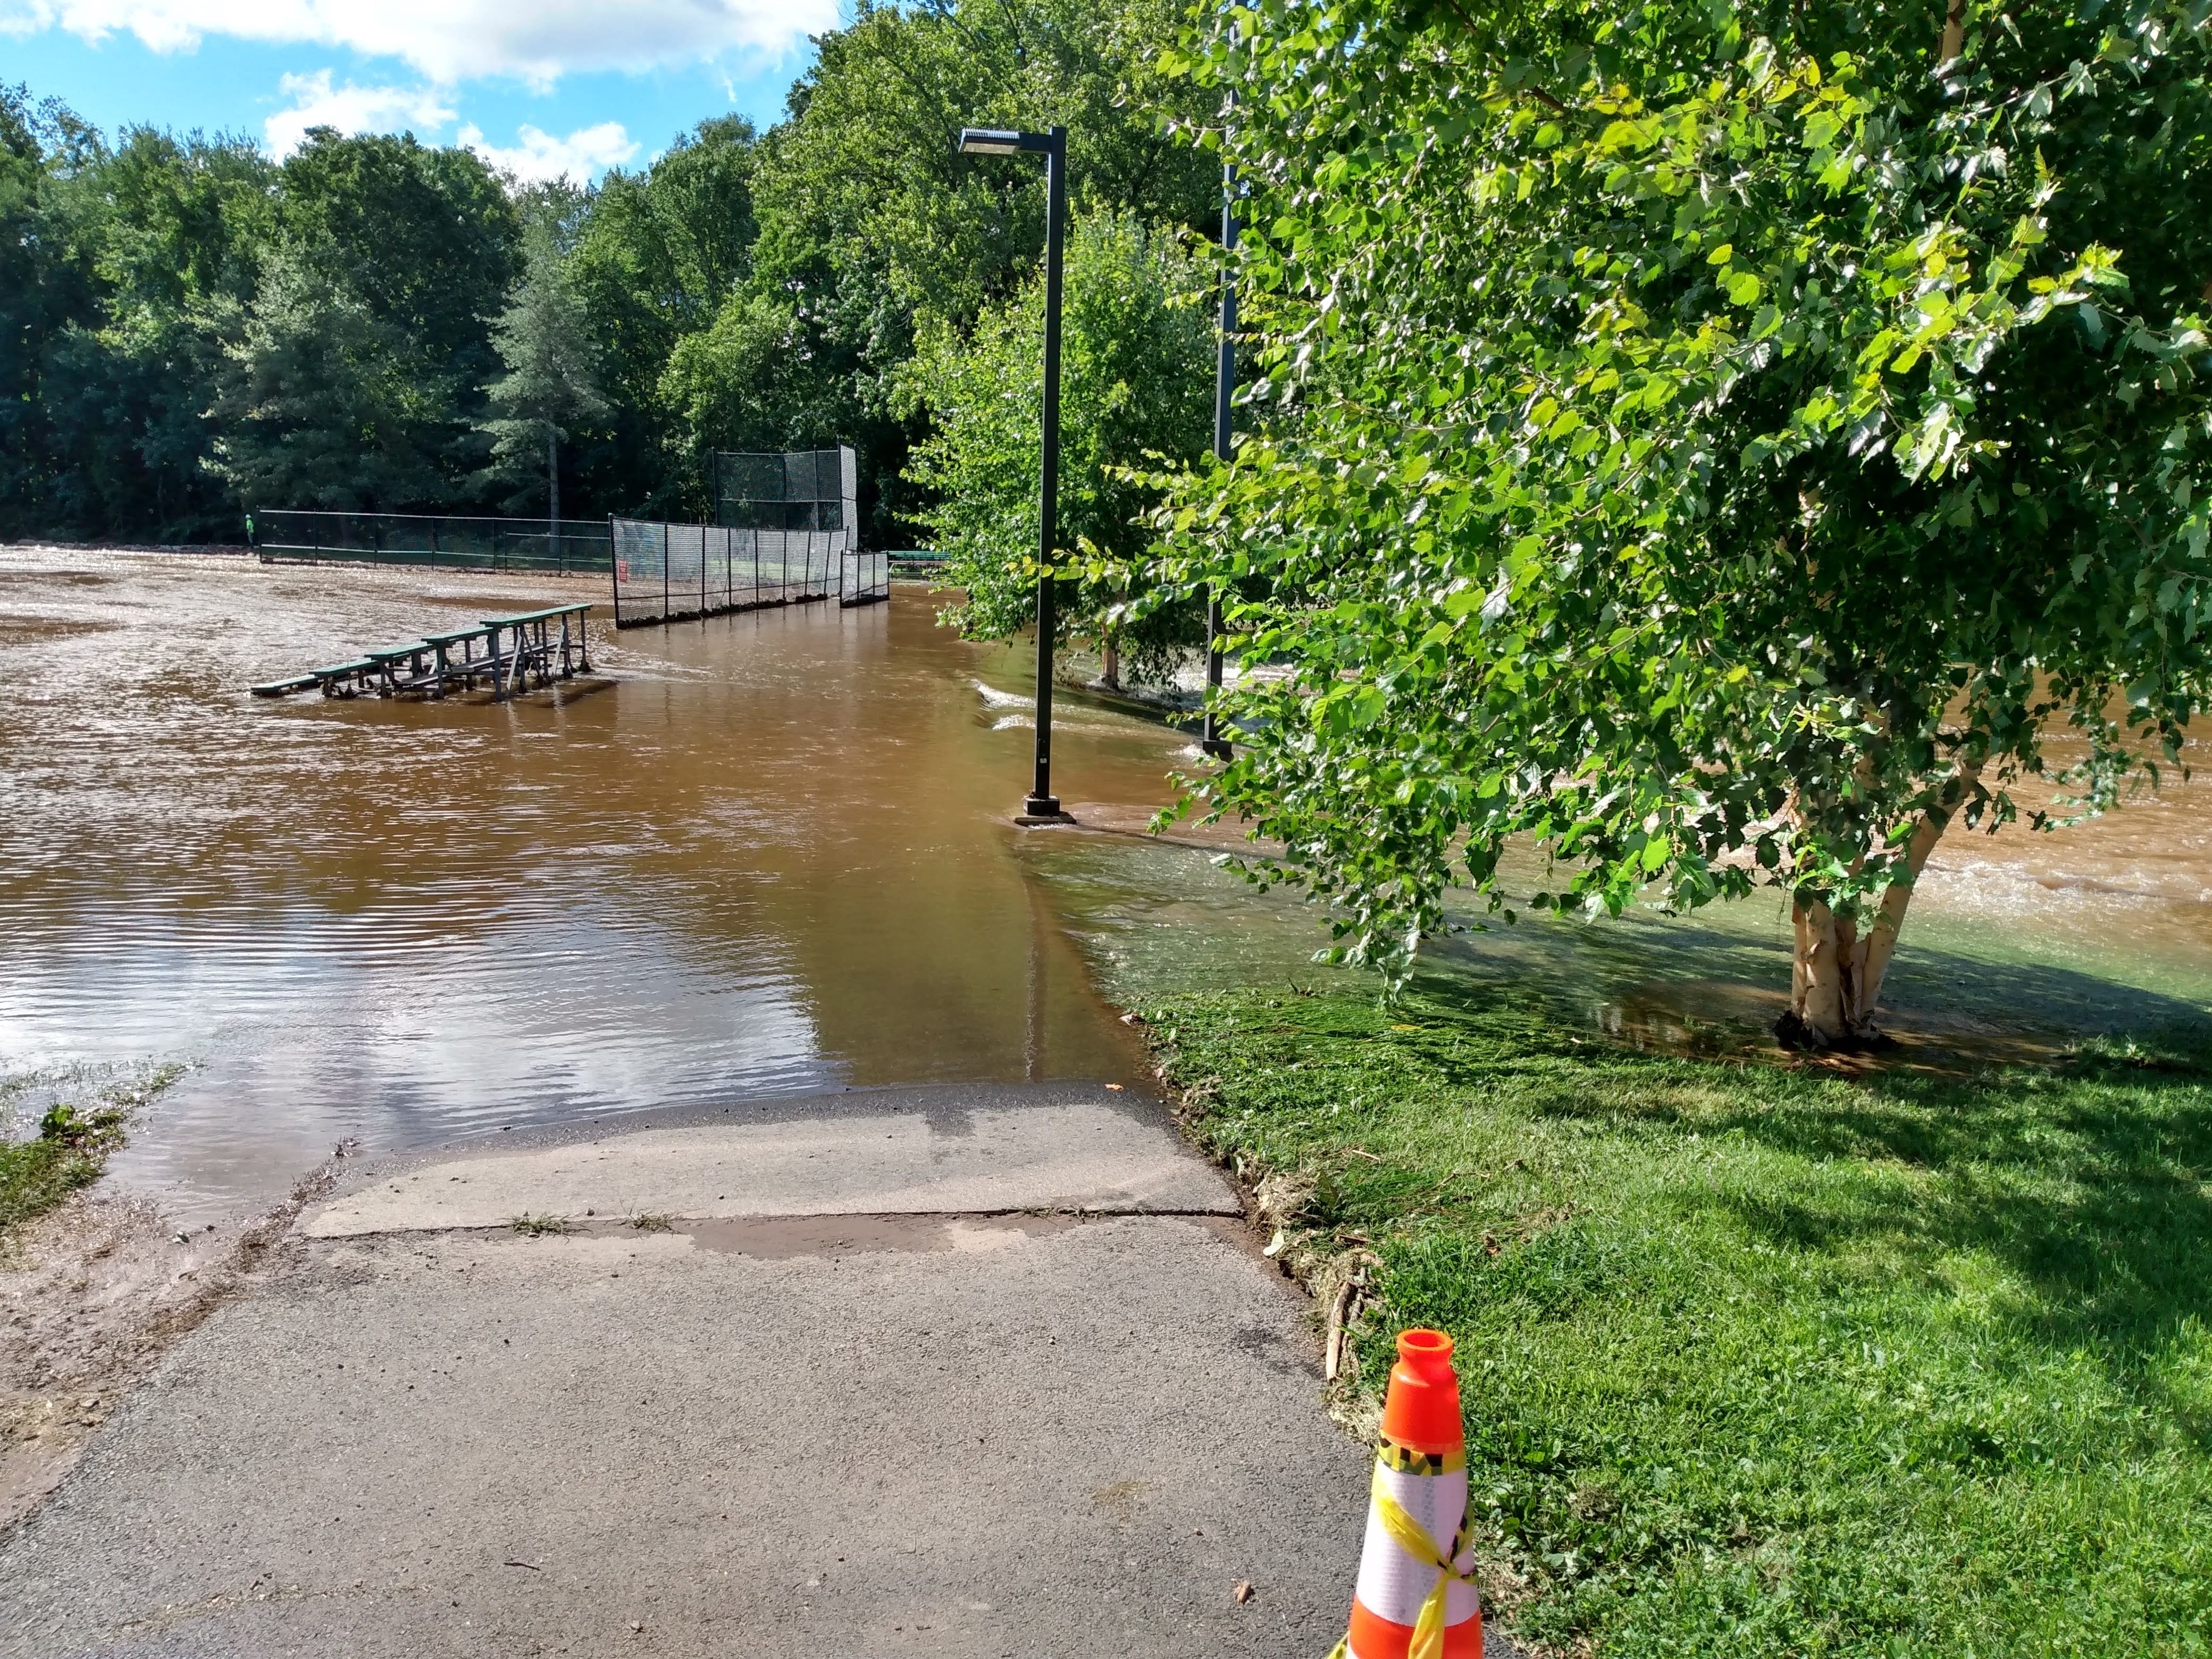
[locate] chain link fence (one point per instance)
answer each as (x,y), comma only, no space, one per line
(865,578)
(665,571)
(563,546)
(787,531)
(798,489)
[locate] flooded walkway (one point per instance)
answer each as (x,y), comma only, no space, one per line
(767,855)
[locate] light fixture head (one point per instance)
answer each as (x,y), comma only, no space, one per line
(987,141)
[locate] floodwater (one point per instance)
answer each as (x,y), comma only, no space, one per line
(766,854)
(2017,943)
(758,856)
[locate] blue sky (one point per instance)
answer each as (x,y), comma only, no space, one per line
(540,87)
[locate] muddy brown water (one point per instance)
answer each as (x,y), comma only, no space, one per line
(763,854)
(760,856)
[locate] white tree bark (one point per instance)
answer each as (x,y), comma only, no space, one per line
(1838,967)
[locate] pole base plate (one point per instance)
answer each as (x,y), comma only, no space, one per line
(1042,809)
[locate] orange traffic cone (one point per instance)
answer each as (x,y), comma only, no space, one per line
(1415,1599)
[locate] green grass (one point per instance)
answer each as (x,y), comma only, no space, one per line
(37,1175)
(1761,1361)
(74,1136)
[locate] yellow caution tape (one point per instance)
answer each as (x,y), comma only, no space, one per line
(1406,1461)
(1414,1538)
(1411,1536)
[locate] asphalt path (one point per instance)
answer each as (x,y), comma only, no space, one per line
(942,1372)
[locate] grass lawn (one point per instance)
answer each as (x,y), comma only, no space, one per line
(1768,1361)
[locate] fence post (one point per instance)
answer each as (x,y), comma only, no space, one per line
(614,572)
(664,570)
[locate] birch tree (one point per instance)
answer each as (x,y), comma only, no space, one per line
(1720,443)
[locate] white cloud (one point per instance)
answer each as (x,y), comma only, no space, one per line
(349,108)
(452,40)
(540,156)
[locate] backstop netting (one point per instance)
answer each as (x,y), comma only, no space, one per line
(785,532)
(809,489)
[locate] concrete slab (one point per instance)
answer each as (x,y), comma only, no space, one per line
(826,1412)
(1050,1155)
(1041,1437)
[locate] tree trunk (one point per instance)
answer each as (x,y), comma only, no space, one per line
(1109,662)
(553,475)
(1836,969)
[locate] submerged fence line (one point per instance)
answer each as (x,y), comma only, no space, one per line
(786,533)
(561,546)
(668,572)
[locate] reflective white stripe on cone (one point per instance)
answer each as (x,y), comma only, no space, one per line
(1392,1584)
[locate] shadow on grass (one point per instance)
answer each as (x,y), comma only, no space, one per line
(2086,1182)
(1688,986)
(2086,1179)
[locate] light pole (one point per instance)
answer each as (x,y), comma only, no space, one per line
(1042,805)
(1224,384)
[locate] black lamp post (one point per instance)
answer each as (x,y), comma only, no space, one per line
(1042,805)
(1224,384)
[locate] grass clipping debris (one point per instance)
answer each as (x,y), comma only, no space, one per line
(1760,1360)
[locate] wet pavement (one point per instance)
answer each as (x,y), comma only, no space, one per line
(961,1433)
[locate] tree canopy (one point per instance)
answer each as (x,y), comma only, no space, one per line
(550,384)
(747,289)
(1718,443)
(1137,392)
(320,403)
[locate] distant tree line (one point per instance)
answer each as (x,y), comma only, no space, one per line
(189,330)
